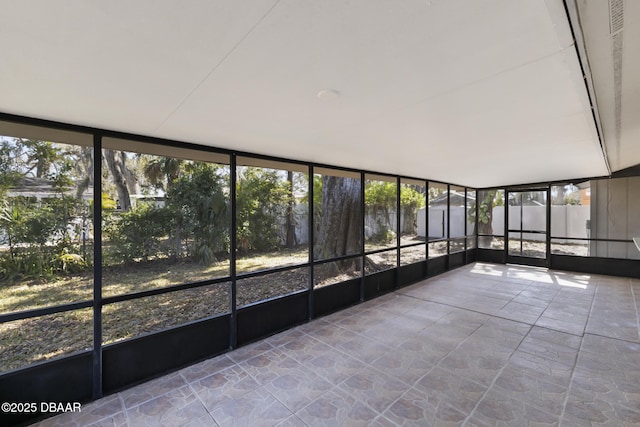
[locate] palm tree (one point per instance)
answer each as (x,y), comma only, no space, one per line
(162,172)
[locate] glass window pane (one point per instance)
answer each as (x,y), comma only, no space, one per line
(515,211)
(534,248)
(515,244)
(527,245)
(597,209)
(271,285)
(615,214)
(28,341)
(457,211)
(272,215)
(471,212)
(437,249)
(413,218)
(491,242)
(490,211)
(380,261)
(128,319)
(336,272)
(571,211)
(438,198)
(413,254)
(381,199)
(471,242)
(165,219)
(528,210)
(568,247)
(46,221)
(457,245)
(621,250)
(534,211)
(337,214)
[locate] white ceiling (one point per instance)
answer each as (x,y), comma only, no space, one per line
(476,93)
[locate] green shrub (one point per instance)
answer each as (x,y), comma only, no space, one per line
(198,201)
(139,234)
(261,202)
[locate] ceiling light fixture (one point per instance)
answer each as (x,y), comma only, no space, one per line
(328,94)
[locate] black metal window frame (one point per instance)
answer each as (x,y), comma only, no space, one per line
(98,302)
(546,260)
(547,187)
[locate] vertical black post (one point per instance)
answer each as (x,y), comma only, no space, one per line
(506,224)
(97,266)
(466,201)
(475,223)
(233,327)
(448,236)
(310,236)
(426,220)
(398,232)
(521,222)
(362,236)
(548,235)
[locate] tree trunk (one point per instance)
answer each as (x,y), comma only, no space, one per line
(486,228)
(291,224)
(409,220)
(340,230)
(116,167)
(130,178)
(85,169)
(178,241)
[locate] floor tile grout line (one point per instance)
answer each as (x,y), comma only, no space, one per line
(459,307)
(584,328)
(610,338)
(494,315)
(545,309)
(573,373)
(157,379)
(495,378)
(195,393)
(125,411)
(593,303)
(337,386)
(363,365)
(238,365)
(521,341)
(285,405)
(403,393)
(367,365)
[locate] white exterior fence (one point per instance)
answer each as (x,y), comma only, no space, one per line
(566,221)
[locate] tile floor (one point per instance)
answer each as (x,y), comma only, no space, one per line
(484,345)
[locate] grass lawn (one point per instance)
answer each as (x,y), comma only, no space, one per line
(32,340)
(27,341)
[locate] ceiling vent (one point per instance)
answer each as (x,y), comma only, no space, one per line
(616,15)
(616,22)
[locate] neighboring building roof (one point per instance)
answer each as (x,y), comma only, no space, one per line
(456,199)
(29,186)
